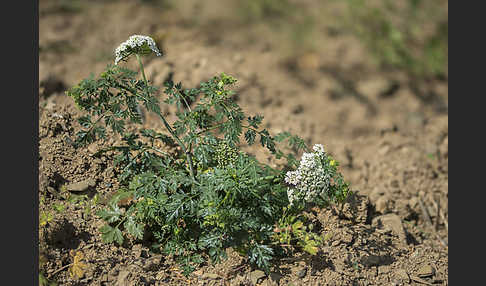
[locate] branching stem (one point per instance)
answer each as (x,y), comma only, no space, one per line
(167,126)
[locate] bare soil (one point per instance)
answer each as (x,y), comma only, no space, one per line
(392,149)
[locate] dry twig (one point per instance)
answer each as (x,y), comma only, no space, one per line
(442,216)
(429,221)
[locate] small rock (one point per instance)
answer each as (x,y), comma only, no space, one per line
(212,276)
(425,271)
(268,282)
(356,208)
(371,260)
(53,192)
(122,279)
(81,186)
(275,277)
(401,276)
(256,275)
(393,223)
(93,148)
(381,204)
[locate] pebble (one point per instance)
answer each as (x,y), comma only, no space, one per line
(256,275)
(54,192)
(275,277)
(381,204)
(401,276)
(425,271)
(212,276)
(81,186)
(371,260)
(393,223)
(93,148)
(122,279)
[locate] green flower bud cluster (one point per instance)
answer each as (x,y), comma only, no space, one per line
(225,154)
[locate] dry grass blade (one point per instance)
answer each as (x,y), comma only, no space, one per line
(429,221)
(440,211)
(437,218)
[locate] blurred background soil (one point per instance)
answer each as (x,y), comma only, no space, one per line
(367,79)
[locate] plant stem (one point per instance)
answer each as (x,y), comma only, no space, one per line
(184,149)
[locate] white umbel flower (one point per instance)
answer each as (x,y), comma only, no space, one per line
(293,178)
(310,179)
(136,44)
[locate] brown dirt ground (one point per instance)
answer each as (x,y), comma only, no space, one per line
(393,151)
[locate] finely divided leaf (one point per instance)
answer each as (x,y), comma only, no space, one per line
(250,136)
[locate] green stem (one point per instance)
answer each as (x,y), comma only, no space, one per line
(171,131)
(185,102)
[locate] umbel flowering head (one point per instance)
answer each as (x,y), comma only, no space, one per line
(311,179)
(136,44)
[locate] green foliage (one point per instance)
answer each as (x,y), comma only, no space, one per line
(209,195)
(291,230)
(409,35)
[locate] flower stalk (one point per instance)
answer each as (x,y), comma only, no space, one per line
(167,125)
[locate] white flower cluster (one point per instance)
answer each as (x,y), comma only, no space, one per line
(136,44)
(310,179)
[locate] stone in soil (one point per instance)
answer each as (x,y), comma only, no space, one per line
(381,204)
(211,276)
(255,276)
(393,223)
(425,271)
(371,260)
(122,279)
(401,276)
(81,186)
